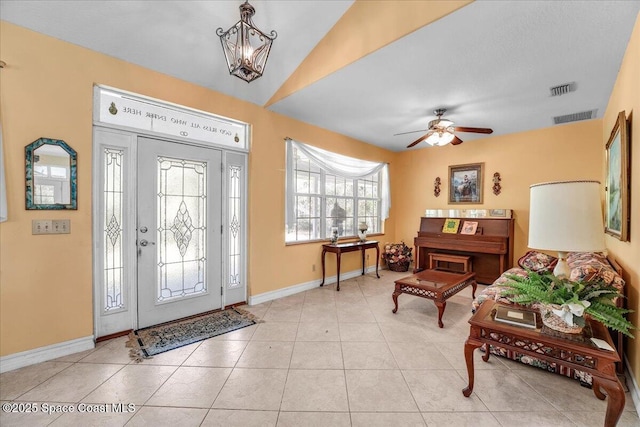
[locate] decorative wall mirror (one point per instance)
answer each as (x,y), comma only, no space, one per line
(51,172)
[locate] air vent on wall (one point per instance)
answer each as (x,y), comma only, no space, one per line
(562,89)
(583,115)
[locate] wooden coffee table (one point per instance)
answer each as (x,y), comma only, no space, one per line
(574,351)
(437,285)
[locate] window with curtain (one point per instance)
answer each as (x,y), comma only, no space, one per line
(326,190)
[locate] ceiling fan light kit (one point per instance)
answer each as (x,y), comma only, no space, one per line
(245,47)
(442,132)
(440,138)
(443,123)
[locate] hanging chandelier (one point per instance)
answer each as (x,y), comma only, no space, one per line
(245,47)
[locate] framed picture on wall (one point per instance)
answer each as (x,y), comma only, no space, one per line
(465,183)
(617,180)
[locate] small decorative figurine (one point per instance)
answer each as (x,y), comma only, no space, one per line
(334,235)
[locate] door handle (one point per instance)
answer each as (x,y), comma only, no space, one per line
(144,242)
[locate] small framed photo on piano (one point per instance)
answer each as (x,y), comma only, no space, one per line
(469,227)
(501,213)
(451,225)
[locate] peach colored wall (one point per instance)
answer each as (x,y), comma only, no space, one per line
(564,152)
(46,281)
(626,96)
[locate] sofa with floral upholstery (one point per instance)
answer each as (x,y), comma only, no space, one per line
(584,266)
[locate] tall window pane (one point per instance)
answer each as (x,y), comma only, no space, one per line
(235,259)
(113,192)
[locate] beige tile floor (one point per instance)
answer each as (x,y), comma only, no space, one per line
(321,358)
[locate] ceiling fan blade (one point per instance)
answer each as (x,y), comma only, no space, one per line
(473,130)
(456,141)
(422,138)
(411,131)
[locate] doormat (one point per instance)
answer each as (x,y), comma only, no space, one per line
(147,342)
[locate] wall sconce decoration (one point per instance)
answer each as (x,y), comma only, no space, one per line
(436,187)
(497,188)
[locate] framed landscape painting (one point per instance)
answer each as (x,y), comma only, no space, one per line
(465,183)
(617,191)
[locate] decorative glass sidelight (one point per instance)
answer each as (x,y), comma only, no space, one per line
(113,193)
(182,227)
(235,199)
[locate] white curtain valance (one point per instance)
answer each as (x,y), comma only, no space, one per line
(348,167)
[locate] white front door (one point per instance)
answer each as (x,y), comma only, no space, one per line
(178,230)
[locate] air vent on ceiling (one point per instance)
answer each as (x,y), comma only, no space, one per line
(562,89)
(583,115)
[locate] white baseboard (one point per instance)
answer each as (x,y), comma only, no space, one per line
(291,290)
(634,391)
(42,354)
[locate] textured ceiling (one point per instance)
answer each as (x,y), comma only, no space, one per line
(490,63)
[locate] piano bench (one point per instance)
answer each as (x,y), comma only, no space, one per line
(465,261)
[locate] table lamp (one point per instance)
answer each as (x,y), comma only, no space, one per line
(566,216)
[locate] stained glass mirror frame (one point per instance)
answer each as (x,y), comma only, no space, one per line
(29,172)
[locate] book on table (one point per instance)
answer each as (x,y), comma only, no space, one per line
(515,316)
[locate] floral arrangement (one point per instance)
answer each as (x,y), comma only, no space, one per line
(570,300)
(396,253)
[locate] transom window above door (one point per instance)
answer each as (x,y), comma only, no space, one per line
(327,191)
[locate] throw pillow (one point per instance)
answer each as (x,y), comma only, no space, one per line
(538,262)
(595,271)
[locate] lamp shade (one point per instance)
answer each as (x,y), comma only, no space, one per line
(566,216)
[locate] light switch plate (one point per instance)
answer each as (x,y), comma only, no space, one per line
(51,226)
(41,226)
(61,226)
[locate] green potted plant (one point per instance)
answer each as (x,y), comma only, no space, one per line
(564,303)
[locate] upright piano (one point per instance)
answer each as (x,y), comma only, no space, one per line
(490,249)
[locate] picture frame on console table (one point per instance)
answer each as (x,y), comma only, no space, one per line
(465,183)
(617,181)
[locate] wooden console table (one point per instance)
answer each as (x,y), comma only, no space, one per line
(578,353)
(340,248)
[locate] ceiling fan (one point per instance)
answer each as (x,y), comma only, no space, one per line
(441,131)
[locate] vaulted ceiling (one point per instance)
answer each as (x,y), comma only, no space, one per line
(371,69)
